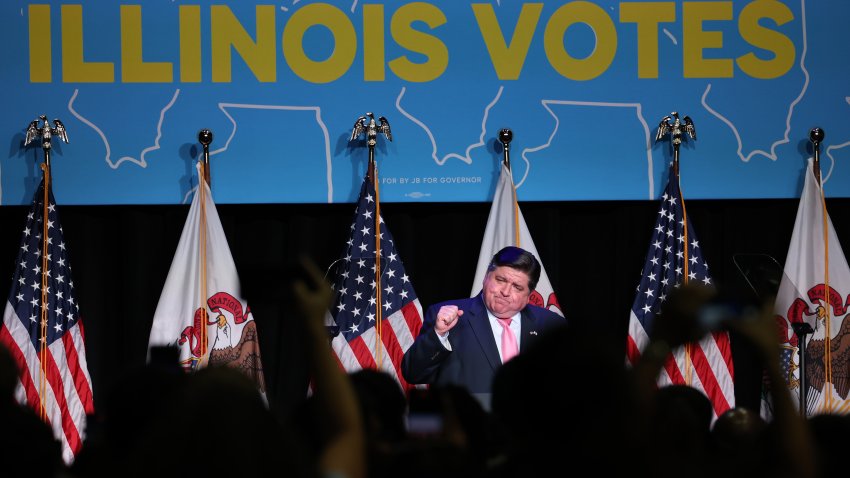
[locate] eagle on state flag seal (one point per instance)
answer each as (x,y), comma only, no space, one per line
(816,308)
(232,335)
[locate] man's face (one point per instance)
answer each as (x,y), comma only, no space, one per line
(506,291)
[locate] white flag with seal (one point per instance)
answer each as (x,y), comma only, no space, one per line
(201,310)
(506,227)
(816,289)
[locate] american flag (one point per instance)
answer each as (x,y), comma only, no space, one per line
(361,296)
(675,258)
(42,310)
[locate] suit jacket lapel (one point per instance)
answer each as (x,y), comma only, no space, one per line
(529,330)
(480,324)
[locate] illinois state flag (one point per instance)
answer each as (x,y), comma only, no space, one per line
(816,289)
(43,330)
(675,258)
(376,316)
(506,227)
(201,310)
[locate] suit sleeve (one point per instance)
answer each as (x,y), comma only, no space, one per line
(553,320)
(546,319)
(422,361)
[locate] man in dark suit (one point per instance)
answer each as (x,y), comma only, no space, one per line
(465,341)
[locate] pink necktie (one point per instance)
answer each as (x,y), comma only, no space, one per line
(509,348)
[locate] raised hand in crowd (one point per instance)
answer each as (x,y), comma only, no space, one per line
(344,451)
(788,448)
(792,452)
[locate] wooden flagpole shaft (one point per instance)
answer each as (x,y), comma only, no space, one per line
(205,137)
(373,171)
(40,128)
(676,160)
(367,124)
(816,136)
(202,263)
(45,167)
(677,130)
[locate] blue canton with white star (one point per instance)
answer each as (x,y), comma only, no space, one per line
(26,292)
(355,305)
(665,260)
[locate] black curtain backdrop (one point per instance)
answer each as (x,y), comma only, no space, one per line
(592,251)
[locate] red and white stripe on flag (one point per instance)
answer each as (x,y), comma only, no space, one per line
(68,395)
(362,297)
(674,258)
(397,335)
(708,368)
(34,318)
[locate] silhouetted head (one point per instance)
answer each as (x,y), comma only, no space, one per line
(737,427)
(382,404)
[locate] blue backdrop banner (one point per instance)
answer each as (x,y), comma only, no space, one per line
(583,86)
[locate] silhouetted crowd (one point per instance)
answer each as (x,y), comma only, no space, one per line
(568,406)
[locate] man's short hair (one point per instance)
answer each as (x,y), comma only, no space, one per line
(518,259)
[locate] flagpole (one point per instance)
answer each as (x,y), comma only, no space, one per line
(373,174)
(677,129)
(505,137)
(40,128)
(816,136)
(45,167)
(685,278)
(802,329)
(367,124)
(205,137)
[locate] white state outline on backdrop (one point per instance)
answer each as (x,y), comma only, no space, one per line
(90,125)
(139,162)
(467,158)
(638,110)
(772,155)
(829,150)
(318,111)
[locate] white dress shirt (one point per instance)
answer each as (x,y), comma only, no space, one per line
(498,330)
